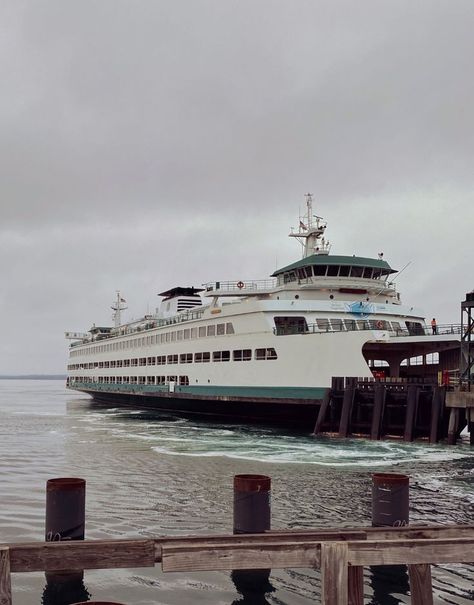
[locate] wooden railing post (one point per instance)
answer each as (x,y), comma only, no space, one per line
(420,584)
(355,585)
(334,573)
(5,577)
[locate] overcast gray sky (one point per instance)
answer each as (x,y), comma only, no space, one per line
(146,144)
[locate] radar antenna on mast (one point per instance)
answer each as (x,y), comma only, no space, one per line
(117,307)
(310,231)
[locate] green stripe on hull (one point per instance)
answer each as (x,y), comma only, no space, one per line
(208,390)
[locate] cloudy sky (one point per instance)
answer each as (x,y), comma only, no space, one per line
(146,144)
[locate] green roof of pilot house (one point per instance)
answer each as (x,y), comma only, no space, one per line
(326,259)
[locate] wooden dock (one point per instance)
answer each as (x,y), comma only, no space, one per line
(340,554)
(394,408)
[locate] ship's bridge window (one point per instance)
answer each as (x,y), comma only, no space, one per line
(368,272)
(290,325)
(319,270)
(357,271)
(269,353)
(333,270)
(344,271)
(289,277)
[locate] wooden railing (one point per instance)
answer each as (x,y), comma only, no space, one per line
(341,555)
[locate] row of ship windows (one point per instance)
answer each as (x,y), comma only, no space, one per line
(187,334)
(182,380)
(331,271)
(200,357)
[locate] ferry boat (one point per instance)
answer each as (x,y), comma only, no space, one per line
(257,350)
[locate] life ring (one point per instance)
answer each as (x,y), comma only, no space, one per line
(379,325)
(240,285)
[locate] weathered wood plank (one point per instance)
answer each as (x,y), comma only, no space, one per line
(420,584)
(334,573)
(5,577)
(355,585)
(240,556)
(78,554)
(411,552)
(386,533)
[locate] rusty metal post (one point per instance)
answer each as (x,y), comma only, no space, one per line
(252,515)
(251,504)
(65,509)
(65,520)
(390,500)
(390,508)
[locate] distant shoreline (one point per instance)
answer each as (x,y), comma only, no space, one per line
(33,377)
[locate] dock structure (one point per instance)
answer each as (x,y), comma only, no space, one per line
(395,408)
(340,554)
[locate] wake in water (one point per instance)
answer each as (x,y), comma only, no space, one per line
(179,437)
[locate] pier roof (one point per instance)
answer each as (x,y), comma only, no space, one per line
(324,259)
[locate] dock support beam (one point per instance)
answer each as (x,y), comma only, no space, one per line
(453,426)
(380,395)
(436,408)
(413,395)
(347,405)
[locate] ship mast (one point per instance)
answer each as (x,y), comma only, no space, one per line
(117,307)
(310,231)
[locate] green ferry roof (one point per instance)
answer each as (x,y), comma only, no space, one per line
(326,259)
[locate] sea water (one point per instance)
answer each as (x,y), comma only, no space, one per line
(150,474)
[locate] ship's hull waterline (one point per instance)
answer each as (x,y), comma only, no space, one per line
(299,411)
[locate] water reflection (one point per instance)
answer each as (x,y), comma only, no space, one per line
(65,589)
(252,586)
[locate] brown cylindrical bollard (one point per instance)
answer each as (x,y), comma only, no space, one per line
(390,500)
(252,515)
(252,510)
(65,509)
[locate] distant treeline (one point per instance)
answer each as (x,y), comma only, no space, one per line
(33,377)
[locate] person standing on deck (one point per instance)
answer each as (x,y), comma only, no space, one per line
(434,327)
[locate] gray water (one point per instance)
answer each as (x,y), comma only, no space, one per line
(149,474)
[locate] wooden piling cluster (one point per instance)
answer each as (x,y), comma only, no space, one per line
(376,409)
(339,553)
